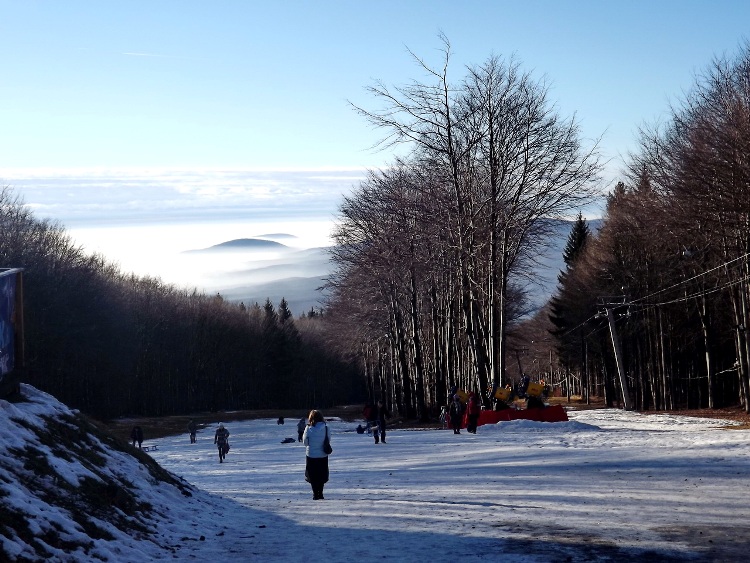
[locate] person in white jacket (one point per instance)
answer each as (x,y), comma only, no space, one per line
(316,460)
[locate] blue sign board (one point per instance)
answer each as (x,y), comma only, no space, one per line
(7,322)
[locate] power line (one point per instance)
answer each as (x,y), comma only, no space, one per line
(671,302)
(683,282)
(701,293)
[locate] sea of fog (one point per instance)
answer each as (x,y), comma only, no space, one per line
(163,250)
(293,270)
(148,221)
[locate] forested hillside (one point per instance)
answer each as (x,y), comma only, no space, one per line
(434,252)
(113,344)
(669,272)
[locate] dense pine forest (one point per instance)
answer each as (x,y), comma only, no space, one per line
(111,344)
(433,261)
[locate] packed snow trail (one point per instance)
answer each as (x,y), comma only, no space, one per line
(608,484)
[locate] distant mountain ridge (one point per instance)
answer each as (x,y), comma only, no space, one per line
(298,275)
(242,244)
(301,293)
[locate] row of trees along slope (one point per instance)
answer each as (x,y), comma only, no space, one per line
(671,260)
(433,253)
(111,344)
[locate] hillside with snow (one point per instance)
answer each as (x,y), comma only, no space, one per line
(71,492)
(607,486)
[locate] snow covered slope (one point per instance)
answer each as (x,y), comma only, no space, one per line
(607,486)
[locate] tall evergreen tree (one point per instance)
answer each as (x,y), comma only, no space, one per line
(565,305)
(283,313)
(577,239)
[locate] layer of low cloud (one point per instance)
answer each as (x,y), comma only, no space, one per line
(80,197)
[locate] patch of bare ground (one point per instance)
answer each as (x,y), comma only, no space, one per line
(711,543)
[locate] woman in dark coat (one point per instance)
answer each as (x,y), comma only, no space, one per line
(382,415)
(192,430)
(316,460)
(221,439)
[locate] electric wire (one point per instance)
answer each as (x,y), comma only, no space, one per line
(683,282)
(692,296)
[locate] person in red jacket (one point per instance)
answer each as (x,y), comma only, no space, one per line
(473,409)
(370,416)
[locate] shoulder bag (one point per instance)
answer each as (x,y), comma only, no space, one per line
(327,444)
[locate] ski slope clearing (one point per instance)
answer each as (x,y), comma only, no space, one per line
(607,486)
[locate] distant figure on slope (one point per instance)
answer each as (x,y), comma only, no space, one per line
(316,460)
(192,430)
(456,412)
(301,425)
(221,439)
(444,416)
(136,435)
(473,409)
(281,420)
(382,414)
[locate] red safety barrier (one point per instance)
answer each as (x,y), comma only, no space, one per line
(553,413)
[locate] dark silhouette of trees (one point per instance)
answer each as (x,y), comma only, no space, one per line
(435,250)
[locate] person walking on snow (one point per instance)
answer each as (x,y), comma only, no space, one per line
(301,425)
(382,414)
(221,439)
(136,435)
(316,460)
(473,409)
(456,412)
(192,430)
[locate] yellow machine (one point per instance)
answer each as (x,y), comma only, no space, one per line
(463,395)
(535,389)
(503,393)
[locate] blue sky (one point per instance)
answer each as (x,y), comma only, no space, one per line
(168,110)
(264,85)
